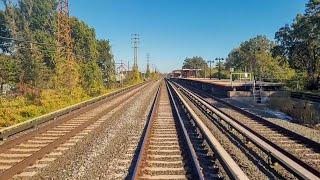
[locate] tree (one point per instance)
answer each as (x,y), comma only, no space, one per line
(91,78)
(255,55)
(8,71)
(195,62)
(105,61)
(25,21)
(245,57)
(5,44)
(29,27)
(299,43)
(87,56)
(84,41)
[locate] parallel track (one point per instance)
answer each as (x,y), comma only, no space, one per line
(295,155)
(176,145)
(20,156)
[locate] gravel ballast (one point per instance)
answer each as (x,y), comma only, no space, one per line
(106,153)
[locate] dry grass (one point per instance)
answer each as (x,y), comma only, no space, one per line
(302,112)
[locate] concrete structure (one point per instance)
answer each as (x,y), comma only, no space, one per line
(176,74)
(224,88)
(185,73)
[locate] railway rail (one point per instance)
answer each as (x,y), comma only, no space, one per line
(19,157)
(305,96)
(177,145)
(299,156)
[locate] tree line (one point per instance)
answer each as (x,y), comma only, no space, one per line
(28,49)
(294,56)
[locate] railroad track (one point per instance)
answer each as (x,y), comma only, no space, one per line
(25,156)
(176,144)
(296,154)
(305,96)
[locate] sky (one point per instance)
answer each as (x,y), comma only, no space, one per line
(171,30)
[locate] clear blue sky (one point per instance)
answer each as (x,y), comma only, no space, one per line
(172,30)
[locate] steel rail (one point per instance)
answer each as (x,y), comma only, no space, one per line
(232,167)
(273,151)
(151,116)
(192,152)
(306,141)
(12,130)
(18,167)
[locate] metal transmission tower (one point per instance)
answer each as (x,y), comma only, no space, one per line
(148,62)
(135,39)
(148,66)
(67,74)
(64,41)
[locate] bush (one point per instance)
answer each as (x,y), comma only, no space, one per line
(302,112)
(21,108)
(298,81)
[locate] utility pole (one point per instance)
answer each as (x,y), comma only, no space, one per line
(210,68)
(135,39)
(219,66)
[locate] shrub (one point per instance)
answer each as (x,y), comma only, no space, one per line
(302,112)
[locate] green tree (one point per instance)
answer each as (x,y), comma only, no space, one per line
(84,41)
(25,21)
(87,56)
(91,78)
(299,43)
(105,61)
(5,44)
(8,71)
(195,62)
(255,55)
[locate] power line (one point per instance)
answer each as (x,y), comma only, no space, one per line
(32,42)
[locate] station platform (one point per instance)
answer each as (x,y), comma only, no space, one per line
(237,84)
(223,88)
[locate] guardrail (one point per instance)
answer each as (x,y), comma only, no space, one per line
(9,131)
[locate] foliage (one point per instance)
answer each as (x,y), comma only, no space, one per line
(21,108)
(84,40)
(91,78)
(26,21)
(255,55)
(133,77)
(8,71)
(106,62)
(28,62)
(299,43)
(155,75)
(4,32)
(196,62)
(302,112)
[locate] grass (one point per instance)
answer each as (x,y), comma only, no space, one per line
(22,108)
(302,112)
